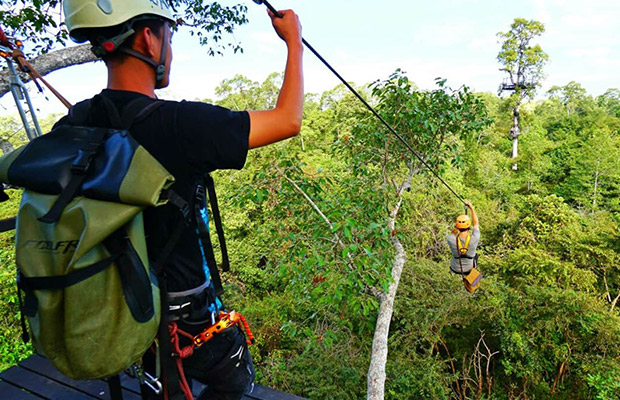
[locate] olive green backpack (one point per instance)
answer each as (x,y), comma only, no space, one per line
(91,296)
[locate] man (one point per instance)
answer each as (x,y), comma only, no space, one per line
(463,242)
(189,139)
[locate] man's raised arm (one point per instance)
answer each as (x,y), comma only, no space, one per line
(284,121)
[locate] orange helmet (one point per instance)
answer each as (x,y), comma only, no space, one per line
(463,222)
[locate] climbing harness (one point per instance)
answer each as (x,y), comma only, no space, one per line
(224,322)
(463,247)
(368,106)
(471,280)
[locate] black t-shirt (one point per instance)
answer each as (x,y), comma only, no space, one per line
(189,139)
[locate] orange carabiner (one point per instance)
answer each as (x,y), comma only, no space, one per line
(225,322)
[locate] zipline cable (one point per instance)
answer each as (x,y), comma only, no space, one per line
(368,106)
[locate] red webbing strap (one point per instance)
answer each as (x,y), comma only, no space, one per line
(4,41)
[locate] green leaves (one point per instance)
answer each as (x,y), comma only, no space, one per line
(39,23)
(522,61)
(430,121)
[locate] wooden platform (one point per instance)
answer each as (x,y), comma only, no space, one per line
(36,378)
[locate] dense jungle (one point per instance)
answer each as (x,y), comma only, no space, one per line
(337,237)
(311,230)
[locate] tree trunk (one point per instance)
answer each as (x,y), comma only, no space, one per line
(50,62)
(378,357)
(515,151)
(515,132)
(596,175)
(614,302)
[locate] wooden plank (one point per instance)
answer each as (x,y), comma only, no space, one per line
(8,391)
(39,379)
(41,386)
(130,384)
(95,388)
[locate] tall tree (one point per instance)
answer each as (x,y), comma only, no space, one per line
(523,63)
(610,101)
(40,24)
(339,230)
(431,122)
(570,96)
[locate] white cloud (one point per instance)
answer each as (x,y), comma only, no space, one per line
(483,44)
(542,14)
(589,52)
(265,42)
(587,20)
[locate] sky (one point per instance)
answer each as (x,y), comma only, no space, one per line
(367,40)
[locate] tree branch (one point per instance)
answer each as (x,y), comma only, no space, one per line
(614,302)
(321,214)
(50,62)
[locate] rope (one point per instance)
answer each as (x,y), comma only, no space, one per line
(179,355)
(18,56)
(25,66)
(368,106)
(250,340)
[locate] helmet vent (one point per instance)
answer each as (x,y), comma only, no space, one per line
(105,6)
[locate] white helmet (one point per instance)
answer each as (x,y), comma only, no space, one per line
(88,14)
(82,16)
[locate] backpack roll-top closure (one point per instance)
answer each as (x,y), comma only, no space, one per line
(120,170)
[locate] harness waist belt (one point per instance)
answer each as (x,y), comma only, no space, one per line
(193,304)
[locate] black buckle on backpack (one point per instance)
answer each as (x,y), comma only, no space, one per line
(179,203)
(87,151)
(31,303)
(81,163)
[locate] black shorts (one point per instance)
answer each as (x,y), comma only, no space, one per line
(223,364)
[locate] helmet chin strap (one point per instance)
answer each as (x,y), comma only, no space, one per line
(160,68)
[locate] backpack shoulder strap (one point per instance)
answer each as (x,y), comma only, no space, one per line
(203,231)
(78,114)
(218,222)
(137,110)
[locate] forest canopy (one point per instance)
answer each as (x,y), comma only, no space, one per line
(546,322)
(317,226)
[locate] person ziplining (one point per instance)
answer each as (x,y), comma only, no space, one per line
(463,242)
